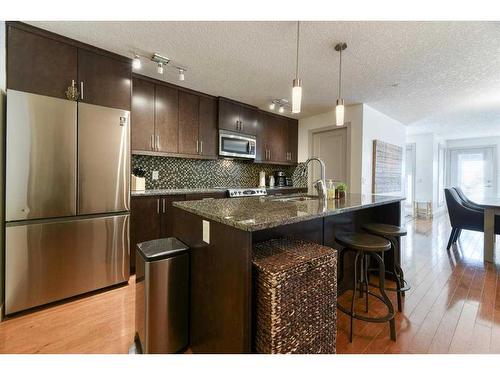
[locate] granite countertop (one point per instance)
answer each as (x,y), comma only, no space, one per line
(257,213)
(151,192)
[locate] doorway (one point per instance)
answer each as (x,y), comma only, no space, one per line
(410,174)
(473,170)
(330,145)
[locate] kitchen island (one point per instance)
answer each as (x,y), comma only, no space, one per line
(221,234)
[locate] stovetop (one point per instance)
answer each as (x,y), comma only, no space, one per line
(246,192)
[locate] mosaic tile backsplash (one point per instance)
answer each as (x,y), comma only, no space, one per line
(178,173)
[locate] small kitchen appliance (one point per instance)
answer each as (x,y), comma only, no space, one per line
(279,178)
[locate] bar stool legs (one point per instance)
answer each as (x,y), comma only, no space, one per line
(361,263)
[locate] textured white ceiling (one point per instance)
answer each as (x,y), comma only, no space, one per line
(447,73)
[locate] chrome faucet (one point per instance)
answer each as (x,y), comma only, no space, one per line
(320,185)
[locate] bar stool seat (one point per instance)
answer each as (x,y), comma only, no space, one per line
(366,247)
(392,232)
(363,242)
(385,229)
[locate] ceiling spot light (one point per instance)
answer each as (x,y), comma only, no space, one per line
(282,109)
(296,84)
(181,74)
(161,61)
(272,106)
(159,68)
(136,63)
(339,108)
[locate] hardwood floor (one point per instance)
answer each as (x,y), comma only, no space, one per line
(452,307)
(97,323)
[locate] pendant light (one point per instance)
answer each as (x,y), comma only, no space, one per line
(339,108)
(297,88)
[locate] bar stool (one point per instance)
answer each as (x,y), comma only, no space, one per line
(366,246)
(392,233)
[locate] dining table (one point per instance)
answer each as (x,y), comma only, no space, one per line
(491,206)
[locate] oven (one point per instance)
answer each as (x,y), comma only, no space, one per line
(237,145)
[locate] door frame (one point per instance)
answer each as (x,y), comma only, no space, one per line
(494,161)
(413,146)
(312,132)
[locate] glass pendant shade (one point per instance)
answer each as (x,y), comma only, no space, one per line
(296,96)
(339,112)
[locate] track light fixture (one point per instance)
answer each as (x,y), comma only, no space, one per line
(281,104)
(161,62)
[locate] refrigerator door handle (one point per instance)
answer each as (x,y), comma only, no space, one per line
(81,90)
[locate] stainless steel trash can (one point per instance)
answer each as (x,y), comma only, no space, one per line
(162,296)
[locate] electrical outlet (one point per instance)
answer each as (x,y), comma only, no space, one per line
(155,175)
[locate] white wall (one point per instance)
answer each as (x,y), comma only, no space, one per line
(480,142)
(354,121)
(427,168)
(377,125)
(2,127)
(364,124)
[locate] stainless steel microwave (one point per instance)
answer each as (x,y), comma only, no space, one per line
(237,145)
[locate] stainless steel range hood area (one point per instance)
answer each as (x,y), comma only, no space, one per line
(67,199)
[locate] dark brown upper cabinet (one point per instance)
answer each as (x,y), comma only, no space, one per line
(166,119)
(143,115)
(45,63)
(277,139)
(293,140)
(172,121)
(38,64)
(103,80)
(189,142)
(238,117)
(208,127)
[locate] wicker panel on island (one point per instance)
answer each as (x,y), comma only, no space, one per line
(295,297)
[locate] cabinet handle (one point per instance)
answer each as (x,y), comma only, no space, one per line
(152,141)
(197,147)
(241,126)
(158,206)
(157,143)
(81,90)
(164,205)
(201,147)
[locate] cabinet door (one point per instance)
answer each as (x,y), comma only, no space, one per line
(144,222)
(229,115)
(106,81)
(166,206)
(188,123)
(167,119)
(39,65)
(202,196)
(208,127)
(143,115)
(277,139)
(249,119)
(263,136)
(293,136)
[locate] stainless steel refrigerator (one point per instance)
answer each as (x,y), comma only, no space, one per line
(67,199)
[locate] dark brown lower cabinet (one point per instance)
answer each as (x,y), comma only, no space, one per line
(148,220)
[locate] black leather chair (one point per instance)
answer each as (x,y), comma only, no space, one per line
(466,201)
(463,217)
